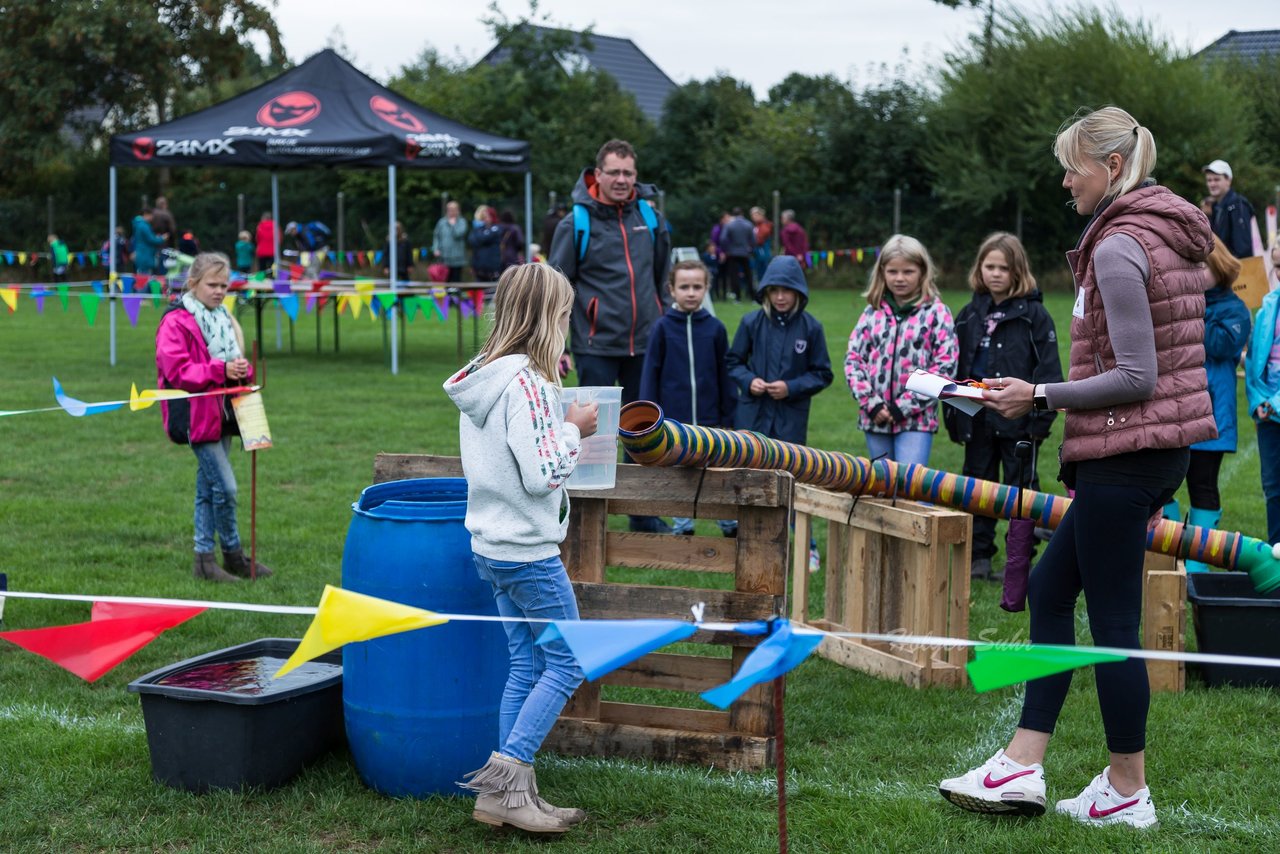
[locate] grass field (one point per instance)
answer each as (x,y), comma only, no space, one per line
(102,505)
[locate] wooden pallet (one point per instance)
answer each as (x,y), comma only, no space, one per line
(891,567)
(741,738)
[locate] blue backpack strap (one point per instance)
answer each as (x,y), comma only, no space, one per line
(649,215)
(581,229)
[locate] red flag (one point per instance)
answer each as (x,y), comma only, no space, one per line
(115,632)
(140,282)
(478,296)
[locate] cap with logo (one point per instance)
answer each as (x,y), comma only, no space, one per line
(1219,167)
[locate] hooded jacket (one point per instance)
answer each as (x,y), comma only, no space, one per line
(1226,331)
(1260,386)
(513,435)
(183,362)
(619,284)
(884,351)
(685,371)
(772,346)
(1024,344)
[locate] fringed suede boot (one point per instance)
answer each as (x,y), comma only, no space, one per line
(206,568)
(238,564)
(507,794)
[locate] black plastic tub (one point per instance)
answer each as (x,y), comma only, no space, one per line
(1232,618)
(219,721)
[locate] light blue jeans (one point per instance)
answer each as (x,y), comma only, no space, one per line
(907,447)
(215,496)
(542,678)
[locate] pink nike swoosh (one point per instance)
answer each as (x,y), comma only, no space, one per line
(995,784)
(1094,812)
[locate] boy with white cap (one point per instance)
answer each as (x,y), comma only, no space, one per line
(1232,218)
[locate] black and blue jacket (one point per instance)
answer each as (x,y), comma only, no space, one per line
(771,346)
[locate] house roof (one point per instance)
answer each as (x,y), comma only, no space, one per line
(1249,44)
(620,59)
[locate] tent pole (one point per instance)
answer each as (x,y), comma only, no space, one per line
(391,247)
(275,221)
(112,264)
(528,218)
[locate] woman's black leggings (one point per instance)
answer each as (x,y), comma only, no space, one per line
(1098,548)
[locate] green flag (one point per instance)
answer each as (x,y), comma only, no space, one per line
(89,302)
(1001,665)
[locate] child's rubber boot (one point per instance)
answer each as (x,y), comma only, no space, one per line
(1204,519)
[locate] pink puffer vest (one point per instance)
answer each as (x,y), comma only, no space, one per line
(1177,240)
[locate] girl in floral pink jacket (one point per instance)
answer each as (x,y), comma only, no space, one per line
(904,327)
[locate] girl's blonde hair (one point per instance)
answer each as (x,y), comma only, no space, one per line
(1224,266)
(1021,280)
(1085,144)
(528,306)
(908,249)
(207,264)
(481,214)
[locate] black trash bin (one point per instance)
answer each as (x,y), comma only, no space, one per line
(1232,618)
(219,721)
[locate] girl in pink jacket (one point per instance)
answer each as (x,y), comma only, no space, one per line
(199,347)
(904,327)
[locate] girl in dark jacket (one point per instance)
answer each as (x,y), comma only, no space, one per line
(1004,331)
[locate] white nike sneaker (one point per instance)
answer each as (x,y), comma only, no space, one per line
(1100,803)
(999,786)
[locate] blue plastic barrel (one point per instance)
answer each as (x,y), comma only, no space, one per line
(421,707)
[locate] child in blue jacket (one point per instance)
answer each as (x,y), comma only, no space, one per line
(685,370)
(779,358)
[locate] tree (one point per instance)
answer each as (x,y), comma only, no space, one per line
(992,127)
(66,65)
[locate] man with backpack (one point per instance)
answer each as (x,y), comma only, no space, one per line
(616,250)
(615,247)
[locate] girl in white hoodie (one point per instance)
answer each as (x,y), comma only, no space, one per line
(517,454)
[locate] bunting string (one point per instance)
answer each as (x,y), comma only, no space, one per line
(601,646)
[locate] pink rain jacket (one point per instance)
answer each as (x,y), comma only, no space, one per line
(183,361)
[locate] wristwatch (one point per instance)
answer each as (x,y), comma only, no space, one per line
(1039,401)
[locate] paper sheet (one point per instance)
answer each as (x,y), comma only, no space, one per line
(251,416)
(962,397)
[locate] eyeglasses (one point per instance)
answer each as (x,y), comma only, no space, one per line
(619,173)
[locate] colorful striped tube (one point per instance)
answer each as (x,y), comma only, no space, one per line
(652,440)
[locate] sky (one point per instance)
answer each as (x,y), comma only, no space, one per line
(758,41)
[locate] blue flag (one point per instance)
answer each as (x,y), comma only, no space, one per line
(782,651)
(602,646)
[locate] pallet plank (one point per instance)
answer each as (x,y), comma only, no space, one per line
(729,751)
(663,551)
(673,672)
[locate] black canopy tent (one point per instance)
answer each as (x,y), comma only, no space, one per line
(324,112)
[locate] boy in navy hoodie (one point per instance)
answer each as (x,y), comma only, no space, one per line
(685,369)
(779,358)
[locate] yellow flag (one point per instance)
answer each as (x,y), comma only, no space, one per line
(229,303)
(22,257)
(305,259)
(346,617)
(149,396)
(355,304)
(10,297)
